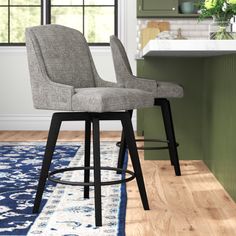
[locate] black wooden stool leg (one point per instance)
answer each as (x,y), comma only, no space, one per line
(97,172)
(51,143)
(122,151)
(170,134)
(129,135)
(123,146)
(87,156)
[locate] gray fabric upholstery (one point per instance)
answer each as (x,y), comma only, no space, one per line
(46,93)
(110,99)
(121,62)
(60,62)
(125,77)
(65,55)
(158,88)
(169,90)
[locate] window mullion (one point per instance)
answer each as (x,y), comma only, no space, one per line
(48,11)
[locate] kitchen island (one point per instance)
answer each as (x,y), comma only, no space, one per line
(205,119)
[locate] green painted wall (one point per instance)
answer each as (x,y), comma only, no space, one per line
(205,119)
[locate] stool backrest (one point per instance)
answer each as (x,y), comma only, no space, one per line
(61,53)
(121,61)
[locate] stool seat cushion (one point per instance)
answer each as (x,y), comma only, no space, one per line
(110,99)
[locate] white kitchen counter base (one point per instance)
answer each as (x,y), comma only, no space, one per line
(189,48)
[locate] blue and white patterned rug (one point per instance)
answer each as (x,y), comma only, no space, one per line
(64,211)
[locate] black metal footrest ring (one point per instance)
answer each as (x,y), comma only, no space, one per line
(150,140)
(118,170)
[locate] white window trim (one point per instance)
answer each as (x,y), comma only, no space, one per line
(122,19)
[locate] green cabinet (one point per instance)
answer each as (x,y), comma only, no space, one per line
(162,8)
(149,8)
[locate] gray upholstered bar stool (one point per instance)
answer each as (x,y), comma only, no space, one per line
(63,77)
(161,90)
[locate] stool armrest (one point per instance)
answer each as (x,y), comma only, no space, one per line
(51,95)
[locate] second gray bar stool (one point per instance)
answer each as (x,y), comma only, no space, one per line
(161,90)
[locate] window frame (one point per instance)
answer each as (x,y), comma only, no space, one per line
(45,15)
(48,17)
(8,6)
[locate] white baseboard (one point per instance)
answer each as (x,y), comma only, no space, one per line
(42,122)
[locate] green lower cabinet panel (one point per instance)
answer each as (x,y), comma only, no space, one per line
(140,118)
(187,111)
(219,130)
(205,119)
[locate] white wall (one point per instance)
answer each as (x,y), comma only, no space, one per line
(16,107)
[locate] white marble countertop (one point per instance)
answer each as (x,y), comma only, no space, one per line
(189,48)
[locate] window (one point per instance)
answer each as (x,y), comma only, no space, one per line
(96,19)
(15,16)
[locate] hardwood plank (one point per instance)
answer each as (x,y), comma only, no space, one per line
(194,204)
(67,136)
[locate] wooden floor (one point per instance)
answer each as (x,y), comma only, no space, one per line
(193,204)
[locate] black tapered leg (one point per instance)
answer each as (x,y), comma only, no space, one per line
(51,143)
(170,134)
(123,146)
(129,135)
(122,151)
(97,172)
(87,156)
